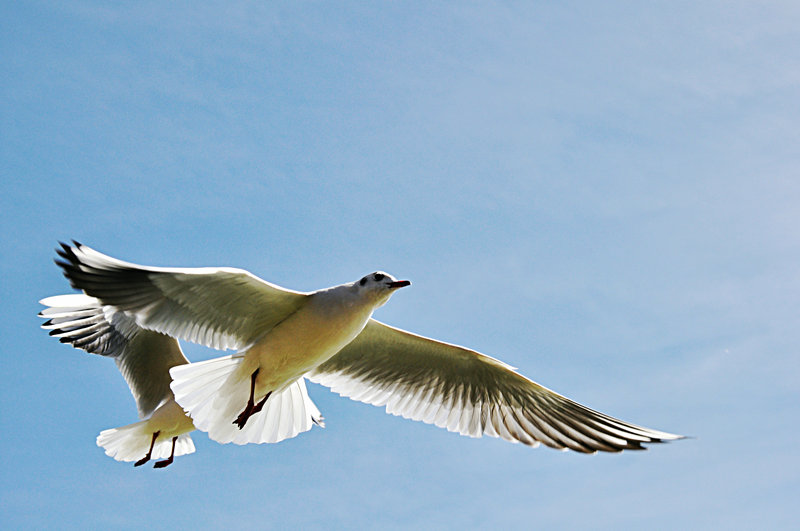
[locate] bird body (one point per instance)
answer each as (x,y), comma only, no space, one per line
(281,337)
(144,358)
(152,437)
(316,330)
(328,321)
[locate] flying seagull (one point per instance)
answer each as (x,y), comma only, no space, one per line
(144,358)
(281,336)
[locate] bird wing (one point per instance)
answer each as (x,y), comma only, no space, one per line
(216,307)
(469,393)
(142,356)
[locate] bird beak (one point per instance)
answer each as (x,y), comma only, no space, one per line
(399,284)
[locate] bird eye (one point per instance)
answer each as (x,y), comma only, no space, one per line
(378,276)
(362,281)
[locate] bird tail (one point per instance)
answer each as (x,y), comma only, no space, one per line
(213,393)
(131,443)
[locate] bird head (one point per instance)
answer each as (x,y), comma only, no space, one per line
(379,286)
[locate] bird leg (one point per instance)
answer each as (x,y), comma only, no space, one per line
(260,405)
(168,461)
(241,420)
(146,458)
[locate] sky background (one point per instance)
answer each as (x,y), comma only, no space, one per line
(605,195)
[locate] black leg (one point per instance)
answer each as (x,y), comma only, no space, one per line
(146,458)
(260,405)
(241,420)
(168,461)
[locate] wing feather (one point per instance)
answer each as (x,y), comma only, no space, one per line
(470,393)
(143,357)
(218,307)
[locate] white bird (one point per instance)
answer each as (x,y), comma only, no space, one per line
(328,336)
(144,358)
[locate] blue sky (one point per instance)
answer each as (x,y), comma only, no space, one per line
(604,195)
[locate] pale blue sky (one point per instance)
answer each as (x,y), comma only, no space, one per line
(604,195)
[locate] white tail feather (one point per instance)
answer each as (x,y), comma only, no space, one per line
(131,443)
(213,394)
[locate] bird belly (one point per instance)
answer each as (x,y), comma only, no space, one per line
(300,343)
(170,420)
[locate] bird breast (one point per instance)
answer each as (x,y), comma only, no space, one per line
(306,339)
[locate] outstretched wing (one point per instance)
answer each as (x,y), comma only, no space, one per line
(143,357)
(469,393)
(217,307)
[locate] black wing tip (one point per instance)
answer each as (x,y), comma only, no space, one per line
(68,261)
(63,249)
(66,256)
(75,243)
(67,251)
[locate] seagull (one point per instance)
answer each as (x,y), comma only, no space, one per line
(281,337)
(144,358)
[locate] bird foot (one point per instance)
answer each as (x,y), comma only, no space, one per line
(146,458)
(260,405)
(164,463)
(250,410)
(241,420)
